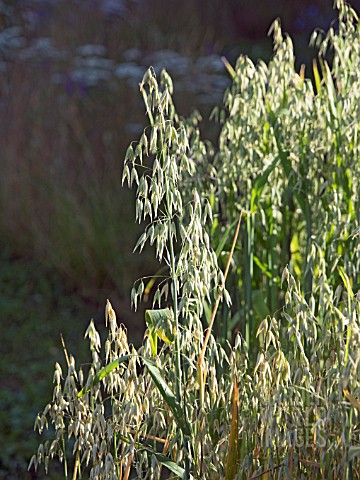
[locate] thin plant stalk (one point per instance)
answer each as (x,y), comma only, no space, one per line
(65,459)
(271,258)
(174,291)
(200,364)
(76,465)
(249,272)
(308,267)
(178,371)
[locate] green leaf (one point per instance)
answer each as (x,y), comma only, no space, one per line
(105,371)
(346,281)
(166,462)
(168,396)
(224,238)
(263,267)
(259,184)
(161,322)
(316,77)
(151,333)
(354,451)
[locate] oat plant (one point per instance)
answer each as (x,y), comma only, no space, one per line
(263,382)
(288,158)
(160,405)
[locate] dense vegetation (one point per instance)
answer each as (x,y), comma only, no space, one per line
(69,73)
(250,364)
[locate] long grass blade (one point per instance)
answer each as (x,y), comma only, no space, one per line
(168,396)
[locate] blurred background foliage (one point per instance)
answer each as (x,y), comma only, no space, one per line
(69,106)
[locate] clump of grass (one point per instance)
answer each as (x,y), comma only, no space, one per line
(288,158)
(265,382)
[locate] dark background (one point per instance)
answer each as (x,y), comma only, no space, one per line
(69,106)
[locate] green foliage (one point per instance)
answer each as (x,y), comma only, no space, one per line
(288,157)
(282,397)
